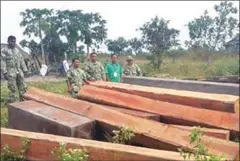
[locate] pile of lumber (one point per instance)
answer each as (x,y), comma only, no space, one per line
(161,120)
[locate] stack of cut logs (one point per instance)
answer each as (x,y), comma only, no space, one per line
(161,119)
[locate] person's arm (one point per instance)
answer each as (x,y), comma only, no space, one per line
(85,78)
(139,71)
(86,69)
(22,63)
(121,73)
(3,62)
(124,70)
(106,72)
(103,73)
(69,86)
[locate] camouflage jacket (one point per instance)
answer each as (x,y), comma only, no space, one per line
(133,70)
(95,71)
(76,78)
(12,62)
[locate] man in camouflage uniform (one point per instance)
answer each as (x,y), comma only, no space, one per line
(14,68)
(94,69)
(76,78)
(131,69)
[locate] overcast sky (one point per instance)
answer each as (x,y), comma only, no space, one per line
(123,17)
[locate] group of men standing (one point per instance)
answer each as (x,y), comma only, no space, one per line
(94,71)
(14,70)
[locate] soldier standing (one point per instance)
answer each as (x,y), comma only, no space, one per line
(131,69)
(76,78)
(14,69)
(94,69)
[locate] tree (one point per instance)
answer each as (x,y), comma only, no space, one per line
(225,24)
(33,46)
(213,32)
(136,45)
(71,24)
(118,45)
(34,21)
(94,30)
(53,44)
(201,32)
(159,38)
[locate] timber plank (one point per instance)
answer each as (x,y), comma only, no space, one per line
(218,102)
(169,112)
(41,146)
(38,117)
(146,115)
(218,133)
(148,133)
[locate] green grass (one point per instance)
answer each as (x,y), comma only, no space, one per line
(191,66)
(56,87)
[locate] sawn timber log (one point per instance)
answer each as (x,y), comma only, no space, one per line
(218,102)
(148,133)
(41,146)
(169,112)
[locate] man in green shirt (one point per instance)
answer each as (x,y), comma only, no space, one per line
(114,70)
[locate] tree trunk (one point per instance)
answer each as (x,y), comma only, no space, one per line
(54,57)
(88,51)
(159,62)
(41,43)
(74,48)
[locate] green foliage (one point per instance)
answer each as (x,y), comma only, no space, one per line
(4,117)
(8,155)
(63,154)
(136,45)
(223,67)
(194,65)
(121,136)
(159,38)
(213,32)
(200,152)
(5,93)
(117,46)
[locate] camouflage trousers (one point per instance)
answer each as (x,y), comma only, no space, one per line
(17,87)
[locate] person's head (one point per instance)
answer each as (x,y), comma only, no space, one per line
(93,57)
(114,58)
(11,41)
(76,62)
(129,60)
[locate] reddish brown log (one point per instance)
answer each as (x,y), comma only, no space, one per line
(41,146)
(38,117)
(218,102)
(222,134)
(169,112)
(146,115)
(148,133)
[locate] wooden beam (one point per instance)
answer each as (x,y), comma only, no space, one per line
(146,115)
(169,112)
(218,102)
(218,133)
(37,117)
(41,146)
(148,133)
